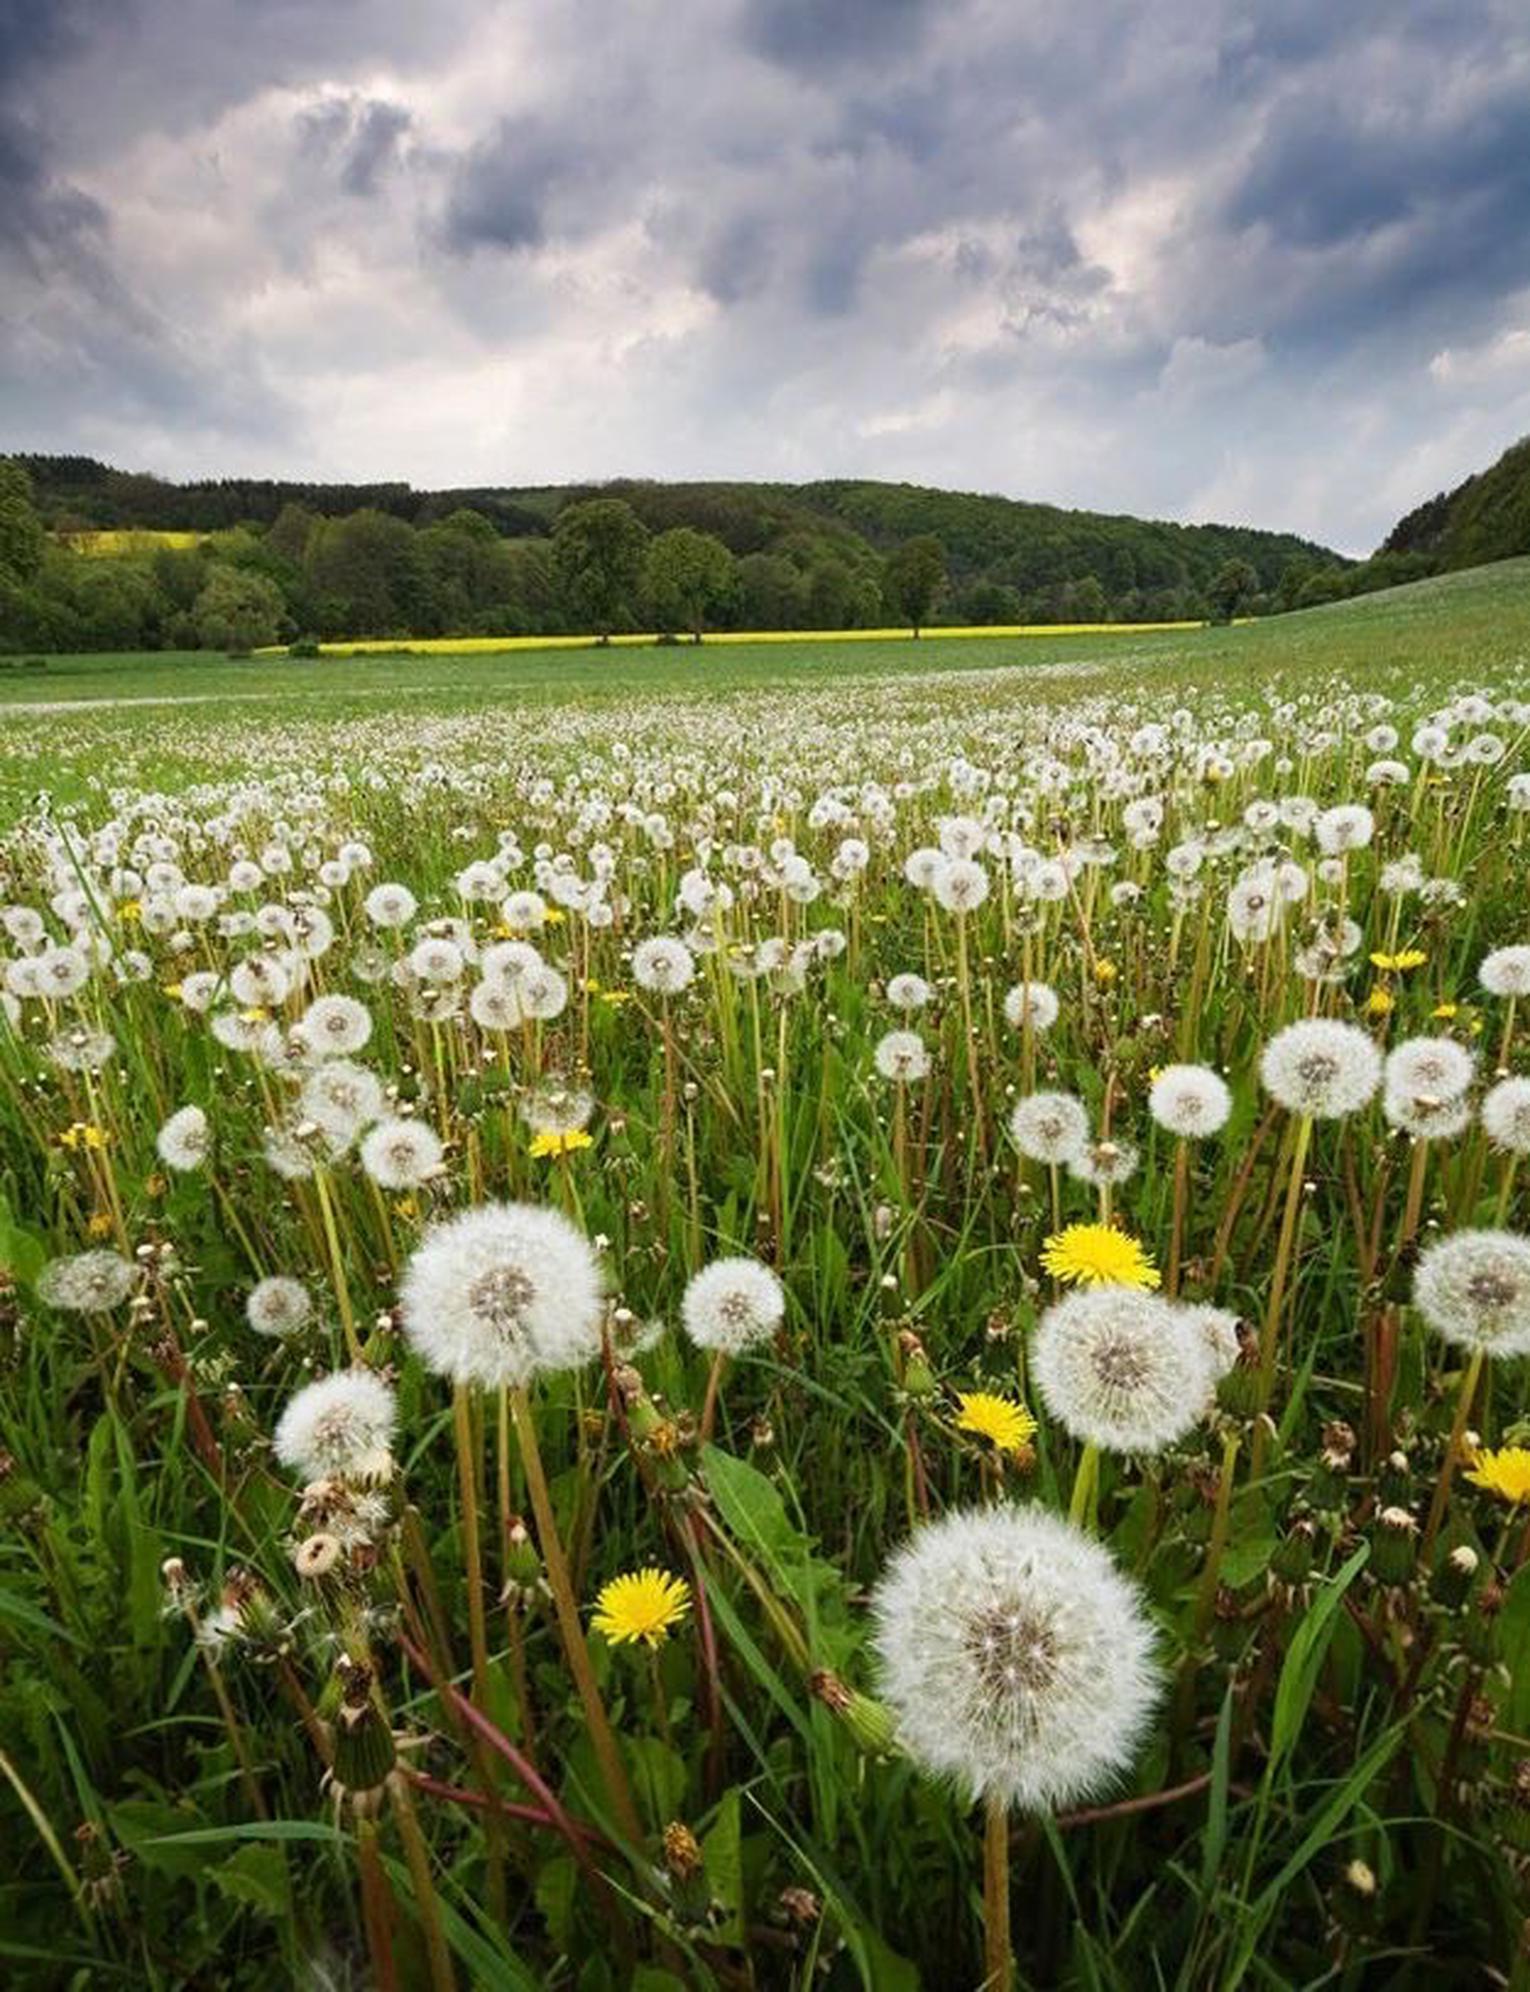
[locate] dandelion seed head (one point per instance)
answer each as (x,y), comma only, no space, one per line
(1321,1068)
(1120,1369)
(500,1292)
(1190,1101)
(341,1425)
(1473,1287)
(732,1305)
(1017,1661)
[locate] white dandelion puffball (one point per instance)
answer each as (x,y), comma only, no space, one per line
(494,1295)
(340,1426)
(1432,1070)
(1017,1660)
(662,965)
(960,886)
(1033,1003)
(341,1098)
(1189,1101)
(1049,1127)
(732,1304)
(401,1154)
(1506,971)
(1426,1118)
(1506,1116)
(390,905)
(908,991)
(87,1282)
(1218,1330)
(335,1026)
(1321,1068)
(1474,1289)
(542,993)
(278,1306)
(184,1140)
(902,1056)
(1122,1370)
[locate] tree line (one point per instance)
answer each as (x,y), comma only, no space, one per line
(679,559)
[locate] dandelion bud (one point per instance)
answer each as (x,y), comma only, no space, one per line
(1292,1561)
(1394,1547)
(1394,1481)
(918,1377)
(1454,1576)
(869,1721)
(365,1753)
(1479,1631)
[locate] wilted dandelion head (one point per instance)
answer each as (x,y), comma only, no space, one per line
(1506,971)
(1321,1068)
(1104,1163)
(1049,1127)
(1189,1101)
(497,1293)
(732,1304)
(1506,1116)
(87,1282)
(342,1425)
(1120,1369)
(1032,1004)
(1474,1289)
(1016,1659)
(278,1306)
(902,1056)
(401,1154)
(183,1141)
(663,965)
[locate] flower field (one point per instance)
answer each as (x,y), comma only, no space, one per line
(866,1332)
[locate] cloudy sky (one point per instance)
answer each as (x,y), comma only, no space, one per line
(1259,260)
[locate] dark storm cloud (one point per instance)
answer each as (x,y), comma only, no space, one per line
(806,34)
(1150,253)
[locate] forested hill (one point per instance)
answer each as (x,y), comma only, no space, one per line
(1486,518)
(1007,559)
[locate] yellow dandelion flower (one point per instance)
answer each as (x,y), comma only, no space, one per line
(100,1225)
(644,1605)
(256,1014)
(554,916)
(1098,1255)
(614,998)
(405,1207)
(1105,972)
(84,1134)
(130,910)
(561,1143)
(173,991)
(590,986)
(1380,1003)
(1005,1423)
(1505,1473)
(1445,1011)
(1397,964)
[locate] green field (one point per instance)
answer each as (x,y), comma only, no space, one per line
(430,1557)
(165,716)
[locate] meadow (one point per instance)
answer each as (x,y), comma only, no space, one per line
(774,1315)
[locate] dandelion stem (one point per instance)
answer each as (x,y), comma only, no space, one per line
(1283,1256)
(998,1959)
(1468,1392)
(601,1734)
